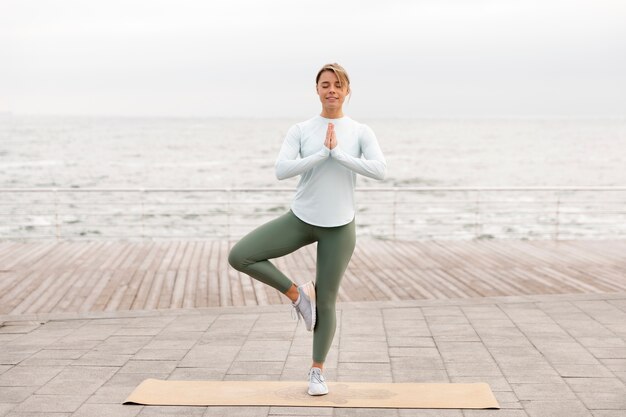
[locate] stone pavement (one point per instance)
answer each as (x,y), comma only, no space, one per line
(556,355)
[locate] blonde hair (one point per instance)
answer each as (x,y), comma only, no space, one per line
(339,71)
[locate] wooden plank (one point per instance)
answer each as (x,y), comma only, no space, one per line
(214,282)
(202,290)
(223,275)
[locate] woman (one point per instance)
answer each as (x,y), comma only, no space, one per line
(330,147)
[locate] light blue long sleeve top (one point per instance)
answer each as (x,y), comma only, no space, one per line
(325,193)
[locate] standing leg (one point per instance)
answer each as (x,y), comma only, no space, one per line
(334,250)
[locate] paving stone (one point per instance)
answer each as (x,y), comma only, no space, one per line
(360,376)
(608,353)
(409,351)
(495,413)
(621,376)
(209,356)
(402,313)
(107,410)
(496,383)
(602,342)
(169,344)
(51,403)
(503,341)
(508,400)
(473,369)
(250,377)
(14,358)
(26,376)
(161,354)
(54,357)
(363,347)
(365,412)
(608,413)
(92,331)
(544,392)
(615,365)
(141,366)
(79,380)
(131,381)
(571,353)
(157,411)
(96,358)
(582,370)
(18,328)
(123,345)
(138,331)
(15,394)
(421,376)
(415,412)
(414,330)
(191,324)
(5,408)
(110,395)
(364,356)
(159,321)
(523,375)
(555,409)
(197,374)
(73,344)
(262,355)
(8,337)
(256,367)
(408,341)
(604,400)
(270,335)
(613,385)
(237,411)
(416,363)
(301,411)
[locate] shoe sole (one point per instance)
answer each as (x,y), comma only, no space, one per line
(317,395)
(309,290)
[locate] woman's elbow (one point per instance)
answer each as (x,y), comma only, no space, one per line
(280,173)
(382,172)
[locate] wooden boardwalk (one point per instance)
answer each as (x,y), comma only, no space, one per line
(42,277)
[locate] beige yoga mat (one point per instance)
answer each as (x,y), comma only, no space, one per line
(293,394)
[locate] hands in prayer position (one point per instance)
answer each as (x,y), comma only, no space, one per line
(331,139)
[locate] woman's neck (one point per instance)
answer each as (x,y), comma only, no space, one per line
(332,114)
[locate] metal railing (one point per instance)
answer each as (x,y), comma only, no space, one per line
(414,213)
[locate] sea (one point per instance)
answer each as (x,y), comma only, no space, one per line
(82,152)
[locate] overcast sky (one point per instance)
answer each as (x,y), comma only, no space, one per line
(251,58)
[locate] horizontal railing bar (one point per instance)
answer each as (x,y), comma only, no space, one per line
(280,189)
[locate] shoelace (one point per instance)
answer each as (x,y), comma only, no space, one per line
(295,313)
(316,376)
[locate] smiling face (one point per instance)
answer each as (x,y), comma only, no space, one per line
(332,92)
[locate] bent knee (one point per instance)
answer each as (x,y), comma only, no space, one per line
(236,259)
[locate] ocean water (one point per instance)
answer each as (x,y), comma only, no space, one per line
(115,152)
(181,153)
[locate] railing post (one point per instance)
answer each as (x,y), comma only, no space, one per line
(141,199)
(228,214)
(56,214)
(395,200)
(477,224)
(557,219)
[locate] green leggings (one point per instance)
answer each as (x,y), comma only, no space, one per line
(284,235)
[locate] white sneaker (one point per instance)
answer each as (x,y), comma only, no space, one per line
(317,383)
(305,306)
